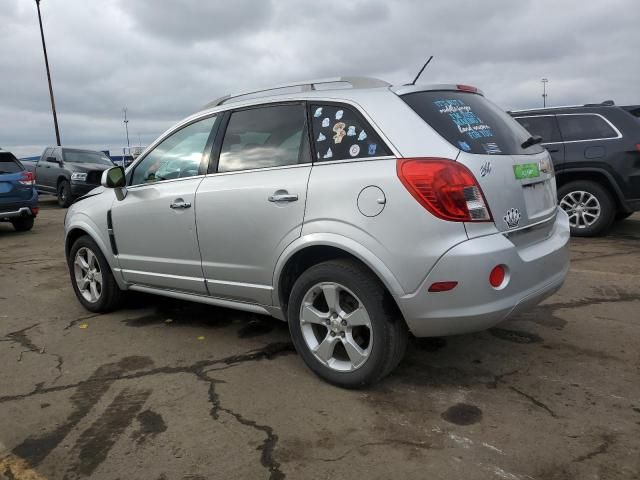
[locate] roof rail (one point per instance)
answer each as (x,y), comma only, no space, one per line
(606,103)
(308,85)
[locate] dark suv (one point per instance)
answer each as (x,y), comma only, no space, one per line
(596,154)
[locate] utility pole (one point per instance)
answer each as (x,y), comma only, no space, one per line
(46,63)
(126,124)
(544,91)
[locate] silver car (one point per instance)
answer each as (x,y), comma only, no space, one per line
(354,210)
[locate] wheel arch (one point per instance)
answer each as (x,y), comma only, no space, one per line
(309,251)
(600,176)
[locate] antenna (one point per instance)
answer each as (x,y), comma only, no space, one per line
(420,72)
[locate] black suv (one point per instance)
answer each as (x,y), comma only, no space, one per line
(596,154)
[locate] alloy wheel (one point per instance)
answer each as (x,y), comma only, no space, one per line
(336,326)
(582,207)
(88,275)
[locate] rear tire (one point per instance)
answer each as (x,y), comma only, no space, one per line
(64,194)
(91,277)
(590,207)
(375,333)
(23,224)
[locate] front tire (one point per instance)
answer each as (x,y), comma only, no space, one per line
(590,207)
(23,224)
(91,277)
(344,324)
(64,194)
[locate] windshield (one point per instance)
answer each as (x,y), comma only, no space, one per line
(79,156)
(470,122)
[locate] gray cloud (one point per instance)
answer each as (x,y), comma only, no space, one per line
(164,60)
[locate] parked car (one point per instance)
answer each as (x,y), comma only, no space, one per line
(596,153)
(356,213)
(68,173)
(18,195)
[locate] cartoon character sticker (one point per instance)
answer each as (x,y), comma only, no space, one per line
(339,114)
(464,145)
(362,136)
(329,154)
(354,150)
(326,122)
(321,138)
(318,112)
(372,148)
(338,128)
(351,131)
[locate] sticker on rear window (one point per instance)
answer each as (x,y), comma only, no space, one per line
(526,170)
(464,145)
(491,148)
(465,119)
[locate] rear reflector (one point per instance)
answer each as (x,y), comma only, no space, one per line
(442,286)
(467,88)
(445,188)
(35,210)
(496,277)
(26,178)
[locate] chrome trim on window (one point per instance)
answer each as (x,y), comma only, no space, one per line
(618,133)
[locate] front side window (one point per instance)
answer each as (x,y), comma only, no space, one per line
(177,156)
(584,127)
(544,126)
(271,136)
(340,133)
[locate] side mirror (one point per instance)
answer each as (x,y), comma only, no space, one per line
(113,178)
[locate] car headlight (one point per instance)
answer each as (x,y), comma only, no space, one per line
(79,176)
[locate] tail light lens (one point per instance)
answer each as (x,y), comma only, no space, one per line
(27,178)
(445,188)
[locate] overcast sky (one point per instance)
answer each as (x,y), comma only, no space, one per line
(164,60)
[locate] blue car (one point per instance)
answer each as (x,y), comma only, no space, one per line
(18,195)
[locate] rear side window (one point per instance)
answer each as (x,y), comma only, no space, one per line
(340,133)
(9,163)
(545,126)
(470,122)
(584,127)
(262,137)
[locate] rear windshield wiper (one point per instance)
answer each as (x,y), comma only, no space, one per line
(532,140)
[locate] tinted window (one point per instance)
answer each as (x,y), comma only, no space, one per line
(543,126)
(263,137)
(9,163)
(177,156)
(470,122)
(340,133)
(79,156)
(584,127)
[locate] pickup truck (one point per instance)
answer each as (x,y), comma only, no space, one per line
(68,173)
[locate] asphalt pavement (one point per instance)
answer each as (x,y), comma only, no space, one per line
(164,389)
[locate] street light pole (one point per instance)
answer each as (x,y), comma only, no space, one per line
(46,63)
(544,91)
(126,125)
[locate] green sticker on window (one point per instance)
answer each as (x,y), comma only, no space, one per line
(526,170)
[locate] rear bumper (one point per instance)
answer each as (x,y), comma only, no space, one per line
(535,272)
(22,208)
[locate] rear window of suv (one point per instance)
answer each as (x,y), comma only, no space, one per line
(9,163)
(470,122)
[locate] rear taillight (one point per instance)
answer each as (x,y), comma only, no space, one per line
(467,88)
(444,187)
(638,147)
(26,178)
(34,211)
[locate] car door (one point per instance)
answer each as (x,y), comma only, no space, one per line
(154,225)
(586,137)
(546,126)
(252,205)
(47,169)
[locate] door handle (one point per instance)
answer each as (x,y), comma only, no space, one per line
(283,197)
(180,204)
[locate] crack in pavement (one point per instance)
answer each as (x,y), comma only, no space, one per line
(103,380)
(535,401)
(74,322)
(607,440)
(406,443)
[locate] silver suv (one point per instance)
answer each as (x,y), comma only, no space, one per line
(354,210)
